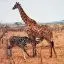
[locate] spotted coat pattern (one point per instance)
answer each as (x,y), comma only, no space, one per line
(34,30)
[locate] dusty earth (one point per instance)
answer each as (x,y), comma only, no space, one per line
(42,51)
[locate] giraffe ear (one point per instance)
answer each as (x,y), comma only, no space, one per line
(18,2)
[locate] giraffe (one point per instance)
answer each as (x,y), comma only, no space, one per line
(34,30)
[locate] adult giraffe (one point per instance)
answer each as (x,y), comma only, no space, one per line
(36,31)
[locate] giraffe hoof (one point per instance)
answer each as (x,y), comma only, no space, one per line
(33,55)
(50,56)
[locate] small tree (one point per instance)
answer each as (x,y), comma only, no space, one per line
(18,23)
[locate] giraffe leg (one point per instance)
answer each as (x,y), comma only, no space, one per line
(53,48)
(25,51)
(2,40)
(34,52)
(50,49)
(24,55)
(9,51)
(34,49)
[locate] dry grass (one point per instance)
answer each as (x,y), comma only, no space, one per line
(42,51)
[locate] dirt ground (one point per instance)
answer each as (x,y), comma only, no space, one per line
(42,51)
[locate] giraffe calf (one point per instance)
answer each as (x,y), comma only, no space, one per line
(20,42)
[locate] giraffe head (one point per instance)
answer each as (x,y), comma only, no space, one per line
(16,5)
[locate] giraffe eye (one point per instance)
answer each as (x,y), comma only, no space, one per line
(21,10)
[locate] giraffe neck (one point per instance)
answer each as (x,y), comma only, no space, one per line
(24,16)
